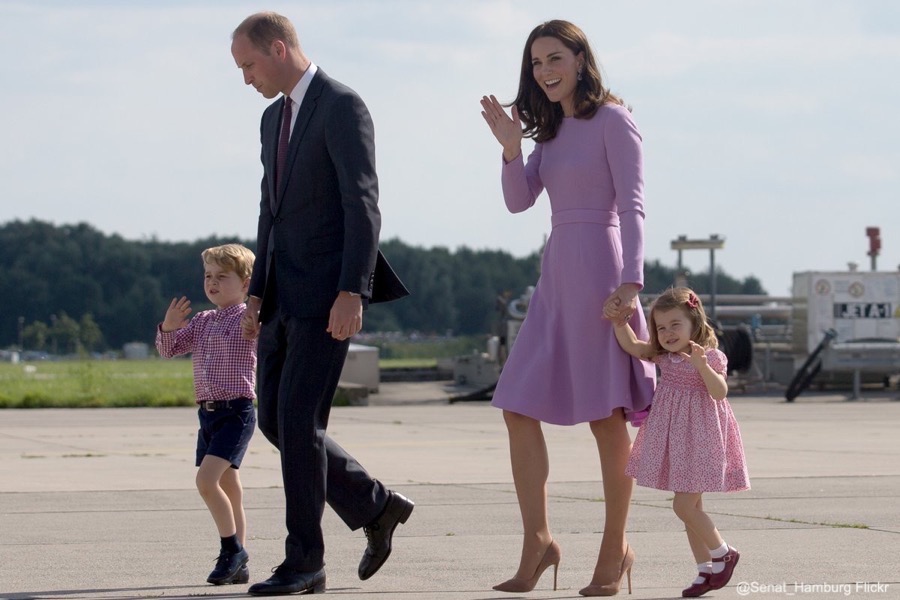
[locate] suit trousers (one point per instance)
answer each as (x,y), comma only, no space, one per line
(299,367)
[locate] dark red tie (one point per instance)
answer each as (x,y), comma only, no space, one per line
(281,157)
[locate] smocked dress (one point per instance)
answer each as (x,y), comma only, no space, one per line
(690,442)
(566,366)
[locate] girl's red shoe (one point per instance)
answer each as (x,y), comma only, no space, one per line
(697,589)
(721,579)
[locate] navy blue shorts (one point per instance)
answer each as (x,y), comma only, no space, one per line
(225,431)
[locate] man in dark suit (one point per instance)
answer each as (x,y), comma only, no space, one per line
(317,266)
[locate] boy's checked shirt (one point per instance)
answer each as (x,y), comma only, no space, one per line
(224,362)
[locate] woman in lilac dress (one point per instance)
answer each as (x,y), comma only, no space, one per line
(566,366)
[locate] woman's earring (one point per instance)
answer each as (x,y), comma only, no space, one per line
(579,73)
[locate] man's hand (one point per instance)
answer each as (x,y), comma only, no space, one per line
(250,320)
(345,319)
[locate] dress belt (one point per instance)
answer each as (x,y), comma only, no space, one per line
(585,215)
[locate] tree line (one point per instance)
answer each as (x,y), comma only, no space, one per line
(72,288)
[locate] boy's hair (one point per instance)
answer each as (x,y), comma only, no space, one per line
(684,298)
(231,257)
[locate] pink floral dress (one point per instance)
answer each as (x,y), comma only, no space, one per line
(689,442)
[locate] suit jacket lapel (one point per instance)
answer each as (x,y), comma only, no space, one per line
(307,108)
(272,129)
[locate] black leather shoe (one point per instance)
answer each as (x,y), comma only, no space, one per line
(285,580)
(228,565)
(380,531)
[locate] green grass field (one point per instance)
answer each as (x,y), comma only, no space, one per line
(96,383)
(115,383)
(162,382)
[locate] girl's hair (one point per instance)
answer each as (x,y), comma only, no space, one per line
(231,257)
(541,117)
(684,298)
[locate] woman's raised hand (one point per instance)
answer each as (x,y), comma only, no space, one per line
(508,131)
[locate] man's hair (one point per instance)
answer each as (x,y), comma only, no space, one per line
(231,257)
(264,28)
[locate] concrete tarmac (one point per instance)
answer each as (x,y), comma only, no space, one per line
(101,503)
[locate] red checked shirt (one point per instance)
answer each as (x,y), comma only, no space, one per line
(224,362)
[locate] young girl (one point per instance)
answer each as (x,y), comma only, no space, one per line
(690,442)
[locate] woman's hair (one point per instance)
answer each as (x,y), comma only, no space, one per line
(542,117)
(262,29)
(684,298)
(231,257)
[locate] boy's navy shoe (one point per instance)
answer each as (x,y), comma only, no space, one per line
(228,565)
(243,576)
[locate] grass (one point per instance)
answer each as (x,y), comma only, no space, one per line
(427,349)
(162,382)
(407,363)
(94,384)
(116,383)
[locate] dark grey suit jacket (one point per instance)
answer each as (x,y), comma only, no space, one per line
(320,229)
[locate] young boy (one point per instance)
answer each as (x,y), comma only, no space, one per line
(225,385)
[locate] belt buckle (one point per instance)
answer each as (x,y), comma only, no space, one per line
(210,405)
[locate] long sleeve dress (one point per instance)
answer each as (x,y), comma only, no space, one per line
(566,366)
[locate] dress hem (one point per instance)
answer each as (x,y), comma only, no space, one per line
(566,423)
(669,489)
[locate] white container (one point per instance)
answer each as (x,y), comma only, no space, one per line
(858,305)
(361,367)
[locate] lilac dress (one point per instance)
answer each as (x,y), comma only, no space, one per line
(566,366)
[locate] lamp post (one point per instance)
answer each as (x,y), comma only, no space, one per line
(874,234)
(712,244)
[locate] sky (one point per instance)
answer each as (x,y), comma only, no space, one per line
(770,123)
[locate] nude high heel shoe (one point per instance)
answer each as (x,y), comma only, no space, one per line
(518,585)
(611,589)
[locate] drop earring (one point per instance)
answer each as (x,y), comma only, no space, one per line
(579,73)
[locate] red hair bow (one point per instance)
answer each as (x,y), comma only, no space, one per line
(693,300)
